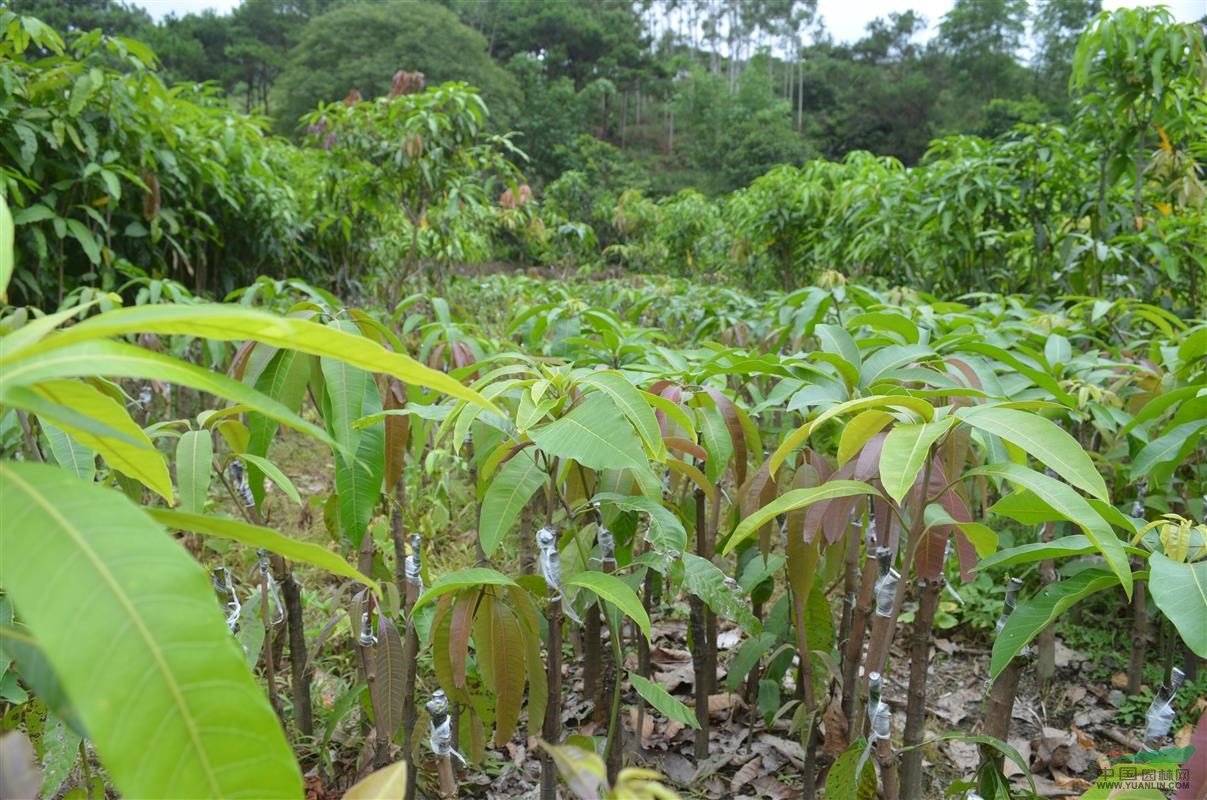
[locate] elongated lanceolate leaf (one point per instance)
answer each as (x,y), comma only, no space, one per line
(390,686)
(226,323)
(255,536)
(130,623)
(1072,507)
(121,360)
(791,501)
(194,469)
(662,700)
(511,487)
(615,591)
(1043,439)
(1036,613)
(456,581)
(905,450)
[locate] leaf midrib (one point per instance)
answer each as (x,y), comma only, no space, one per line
(124,600)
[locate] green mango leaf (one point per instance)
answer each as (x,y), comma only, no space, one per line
(746,657)
(130,451)
(456,581)
(857,432)
(388,781)
(595,434)
(1026,507)
(632,404)
(275,475)
(662,701)
(615,591)
(129,621)
(988,741)
(121,360)
(1063,547)
(255,536)
(842,781)
(982,537)
(1180,590)
(19,645)
(703,579)
(792,501)
(1171,446)
(915,405)
(194,469)
(1043,439)
(905,450)
(666,534)
(224,323)
(1033,615)
(1072,507)
(70,454)
(510,489)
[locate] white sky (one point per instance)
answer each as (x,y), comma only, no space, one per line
(845,19)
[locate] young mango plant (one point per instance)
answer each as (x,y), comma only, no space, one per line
(923,477)
(116,608)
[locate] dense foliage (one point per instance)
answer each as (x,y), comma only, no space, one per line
(449,517)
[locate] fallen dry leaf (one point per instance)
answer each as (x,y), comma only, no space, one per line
(746,774)
(721,703)
(965,756)
(834,723)
(647,726)
(1023,746)
(1119,680)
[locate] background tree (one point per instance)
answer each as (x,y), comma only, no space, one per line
(360,46)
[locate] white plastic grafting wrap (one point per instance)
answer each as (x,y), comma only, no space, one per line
(607,546)
(879,714)
(440,728)
(144,395)
(1011,602)
(880,717)
(550,561)
(366,638)
(886,585)
(947,586)
(222,584)
(239,476)
(869,534)
(1160,715)
(278,615)
(1141,496)
(413,565)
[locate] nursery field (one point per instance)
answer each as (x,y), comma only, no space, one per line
(861,481)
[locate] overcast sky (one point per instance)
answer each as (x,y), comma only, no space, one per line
(845,19)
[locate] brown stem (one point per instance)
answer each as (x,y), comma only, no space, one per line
(999,707)
(915,710)
(553,710)
(552,731)
(291,592)
(592,655)
(699,632)
(851,657)
(1135,667)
